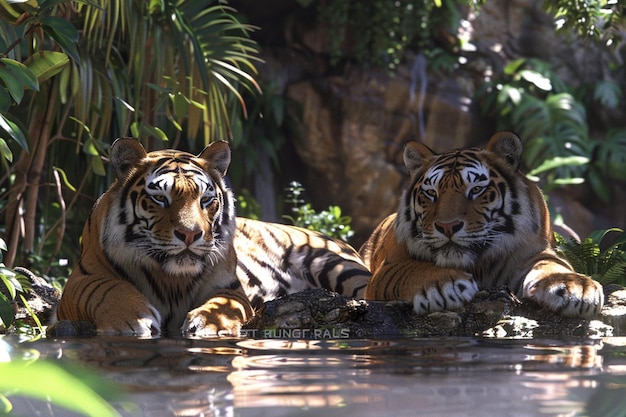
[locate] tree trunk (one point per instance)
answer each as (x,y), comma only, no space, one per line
(21,217)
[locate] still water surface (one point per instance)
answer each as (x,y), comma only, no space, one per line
(347,377)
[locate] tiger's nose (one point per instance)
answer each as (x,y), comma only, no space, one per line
(449,228)
(188,236)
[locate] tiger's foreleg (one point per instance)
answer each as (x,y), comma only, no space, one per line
(115,306)
(222,314)
(552,283)
(398,276)
(429,287)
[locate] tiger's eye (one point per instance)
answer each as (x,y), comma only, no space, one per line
(206,200)
(430,193)
(476,191)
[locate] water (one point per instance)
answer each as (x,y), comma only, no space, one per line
(347,377)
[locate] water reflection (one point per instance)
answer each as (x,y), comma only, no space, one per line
(402,377)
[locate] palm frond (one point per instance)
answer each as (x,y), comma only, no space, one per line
(606,263)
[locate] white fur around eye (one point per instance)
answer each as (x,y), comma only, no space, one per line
(160,199)
(476,180)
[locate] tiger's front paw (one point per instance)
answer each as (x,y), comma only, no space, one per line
(451,290)
(569,294)
(220,316)
(143,322)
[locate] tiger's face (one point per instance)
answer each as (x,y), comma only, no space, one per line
(461,206)
(177,214)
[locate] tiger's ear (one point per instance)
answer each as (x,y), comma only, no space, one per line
(218,155)
(507,145)
(415,153)
(125,154)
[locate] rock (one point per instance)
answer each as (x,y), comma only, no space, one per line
(320,314)
(42,298)
(67,328)
(493,313)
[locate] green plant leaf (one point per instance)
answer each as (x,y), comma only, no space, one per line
(65,180)
(537,79)
(608,93)
(6,310)
(597,236)
(512,67)
(97,166)
(5,151)
(46,64)
(63,33)
(90,147)
(156,132)
(14,131)
(5,405)
(23,75)
(12,83)
(32,314)
(5,100)
(558,162)
(67,390)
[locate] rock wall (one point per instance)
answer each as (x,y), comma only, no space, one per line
(354,122)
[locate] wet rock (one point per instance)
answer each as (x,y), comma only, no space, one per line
(41,297)
(320,314)
(614,312)
(67,328)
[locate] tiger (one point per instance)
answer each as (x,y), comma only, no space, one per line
(471,220)
(157,254)
(164,238)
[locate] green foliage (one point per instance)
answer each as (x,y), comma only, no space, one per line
(52,383)
(532,100)
(13,286)
(608,164)
(378,32)
(604,262)
(17,77)
(247,206)
(267,128)
(329,222)
(598,19)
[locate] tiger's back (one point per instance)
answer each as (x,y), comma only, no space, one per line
(468,220)
(276,259)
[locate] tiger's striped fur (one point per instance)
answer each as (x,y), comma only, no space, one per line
(470,219)
(276,259)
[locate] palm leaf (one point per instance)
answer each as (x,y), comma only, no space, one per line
(183,48)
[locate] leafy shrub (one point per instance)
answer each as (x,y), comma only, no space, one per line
(379,32)
(531,99)
(13,286)
(329,222)
(592,256)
